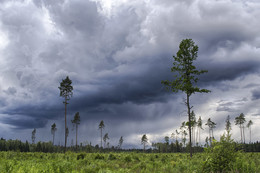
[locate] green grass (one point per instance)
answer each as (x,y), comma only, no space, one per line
(116,162)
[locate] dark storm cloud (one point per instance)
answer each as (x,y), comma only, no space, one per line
(3,102)
(141,89)
(117,61)
(228,70)
(10,91)
(251,85)
(255,94)
(231,106)
(42,111)
(75,16)
(227,107)
(25,122)
(28,117)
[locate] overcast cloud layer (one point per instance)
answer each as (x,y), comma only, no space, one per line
(116,54)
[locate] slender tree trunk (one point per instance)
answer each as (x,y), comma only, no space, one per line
(192,134)
(76,137)
(101,138)
(250,134)
(53,138)
(241,134)
(244,134)
(65,123)
(182,137)
(209,137)
(199,136)
(188,106)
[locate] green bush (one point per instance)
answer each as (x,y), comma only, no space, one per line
(221,155)
(99,157)
(136,158)
(111,157)
(81,156)
(128,159)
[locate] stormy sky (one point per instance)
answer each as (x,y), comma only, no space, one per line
(117,52)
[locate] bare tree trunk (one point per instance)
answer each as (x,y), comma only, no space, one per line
(65,123)
(241,133)
(194,135)
(209,137)
(101,138)
(250,134)
(53,138)
(244,134)
(76,137)
(197,134)
(188,106)
(191,134)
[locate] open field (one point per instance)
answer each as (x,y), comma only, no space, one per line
(116,162)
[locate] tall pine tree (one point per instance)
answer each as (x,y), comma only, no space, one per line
(186,76)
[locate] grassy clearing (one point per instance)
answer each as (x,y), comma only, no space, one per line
(117,162)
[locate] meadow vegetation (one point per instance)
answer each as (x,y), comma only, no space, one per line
(123,162)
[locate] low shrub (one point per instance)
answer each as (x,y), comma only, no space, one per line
(99,157)
(128,159)
(111,157)
(221,156)
(81,156)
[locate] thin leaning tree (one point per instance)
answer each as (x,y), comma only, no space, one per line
(211,125)
(33,136)
(76,122)
(105,138)
(249,124)
(101,126)
(121,140)
(53,130)
(240,120)
(199,126)
(187,76)
(144,141)
(228,125)
(66,92)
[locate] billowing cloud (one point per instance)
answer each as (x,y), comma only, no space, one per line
(116,54)
(255,94)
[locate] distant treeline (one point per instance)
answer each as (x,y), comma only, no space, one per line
(47,147)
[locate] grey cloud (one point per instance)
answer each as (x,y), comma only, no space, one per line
(226,106)
(255,94)
(257,115)
(228,71)
(225,109)
(139,88)
(10,91)
(231,106)
(48,3)
(117,63)
(74,19)
(3,102)
(31,116)
(78,16)
(24,122)
(252,85)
